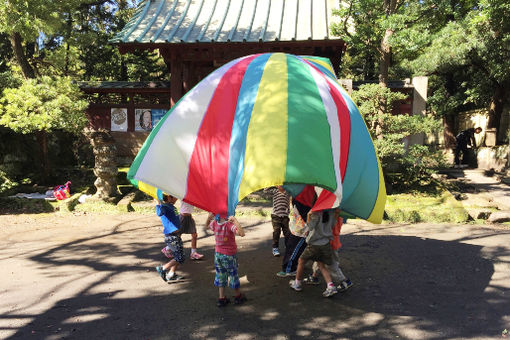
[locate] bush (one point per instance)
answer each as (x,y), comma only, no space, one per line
(403,166)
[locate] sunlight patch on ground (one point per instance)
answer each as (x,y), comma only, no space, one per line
(269,315)
(85,318)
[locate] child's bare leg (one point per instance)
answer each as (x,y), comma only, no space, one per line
(222,292)
(300,269)
(170,264)
(315,269)
(237,291)
(174,267)
(325,272)
(194,237)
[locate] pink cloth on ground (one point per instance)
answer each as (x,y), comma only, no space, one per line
(225,235)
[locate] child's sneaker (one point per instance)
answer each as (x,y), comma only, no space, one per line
(344,285)
(196,256)
(167,252)
(330,291)
(222,302)
(285,274)
(311,280)
(174,278)
(276,252)
(294,285)
(161,272)
(240,299)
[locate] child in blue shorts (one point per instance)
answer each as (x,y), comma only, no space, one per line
(225,258)
(171,229)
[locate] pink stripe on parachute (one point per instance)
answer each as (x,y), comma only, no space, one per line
(208,168)
(345,128)
(344,120)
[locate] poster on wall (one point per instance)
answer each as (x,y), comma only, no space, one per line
(119,119)
(157,114)
(143,120)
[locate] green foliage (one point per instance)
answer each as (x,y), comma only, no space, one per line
(470,57)
(363,24)
(43,105)
(8,79)
(402,166)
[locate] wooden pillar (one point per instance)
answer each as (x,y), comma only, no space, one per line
(187,76)
(131,112)
(176,84)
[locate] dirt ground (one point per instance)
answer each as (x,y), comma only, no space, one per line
(93,277)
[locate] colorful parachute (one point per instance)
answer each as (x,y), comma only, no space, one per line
(258,121)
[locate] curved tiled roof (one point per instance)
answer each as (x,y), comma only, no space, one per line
(195,21)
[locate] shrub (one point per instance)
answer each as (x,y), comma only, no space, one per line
(403,166)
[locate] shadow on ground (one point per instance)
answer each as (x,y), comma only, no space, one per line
(435,288)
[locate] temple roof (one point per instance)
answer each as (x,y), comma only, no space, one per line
(217,21)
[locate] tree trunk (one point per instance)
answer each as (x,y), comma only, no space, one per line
(390,7)
(42,140)
(384,62)
(21,58)
(497,103)
(448,131)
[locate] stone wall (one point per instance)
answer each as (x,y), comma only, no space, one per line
(495,157)
(480,117)
(128,144)
(488,157)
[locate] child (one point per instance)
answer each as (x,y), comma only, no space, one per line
(171,230)
(334,269)
(188,226)
(279,216)
(296,243)
(318,249)
(225,258)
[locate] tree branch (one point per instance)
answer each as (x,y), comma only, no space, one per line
(347,18)
(95,3)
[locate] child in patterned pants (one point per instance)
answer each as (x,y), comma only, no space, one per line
(225,258)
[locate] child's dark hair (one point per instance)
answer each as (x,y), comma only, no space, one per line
(166,197)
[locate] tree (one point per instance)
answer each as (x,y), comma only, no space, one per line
(476,51)
(41,106)
(402,166)
(381,33)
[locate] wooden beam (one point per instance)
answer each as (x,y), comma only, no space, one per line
(176,93)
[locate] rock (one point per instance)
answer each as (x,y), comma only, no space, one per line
(125,203)
(499,217)
(459,196)
(478,213)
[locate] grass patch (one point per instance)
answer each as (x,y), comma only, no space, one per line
(414,208)
(262,212)
(98,206)
(25,206)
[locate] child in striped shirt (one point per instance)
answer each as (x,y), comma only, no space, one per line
(279,216)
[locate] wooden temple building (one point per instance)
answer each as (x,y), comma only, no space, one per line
(194,37)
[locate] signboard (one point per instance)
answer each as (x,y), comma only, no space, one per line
(157,114)
(143,119)
(119,119)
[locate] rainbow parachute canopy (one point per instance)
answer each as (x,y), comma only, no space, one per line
(259,121)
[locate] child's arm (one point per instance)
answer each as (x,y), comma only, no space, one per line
(240,230)
(209,220)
